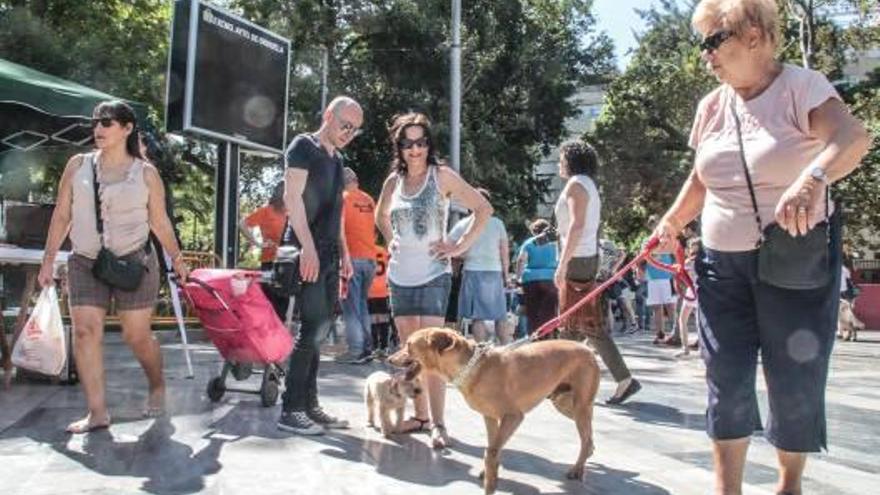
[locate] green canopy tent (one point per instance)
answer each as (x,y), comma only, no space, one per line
(37,109)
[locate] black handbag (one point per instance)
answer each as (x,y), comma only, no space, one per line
(786,261)
(286,278)
(122,272)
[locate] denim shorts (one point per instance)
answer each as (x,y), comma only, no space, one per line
(482,296)
(429,299)
(741,317)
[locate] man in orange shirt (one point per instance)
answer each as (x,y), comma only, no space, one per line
(269,219)
(360,236)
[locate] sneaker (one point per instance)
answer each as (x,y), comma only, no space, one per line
(348,358)
(379,355)
(364,358)
(320,416)
(299,422)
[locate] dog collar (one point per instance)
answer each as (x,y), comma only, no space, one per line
(479,351)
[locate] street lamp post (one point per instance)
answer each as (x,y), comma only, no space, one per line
(455,89)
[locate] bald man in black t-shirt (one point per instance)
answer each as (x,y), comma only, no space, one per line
(313,198)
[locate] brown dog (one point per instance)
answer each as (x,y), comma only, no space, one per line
(503,384)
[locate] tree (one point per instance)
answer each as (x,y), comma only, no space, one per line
(522,60)
(642,133)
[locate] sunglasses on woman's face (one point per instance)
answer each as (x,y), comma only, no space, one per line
(713,41)
(406,144)
(103,121)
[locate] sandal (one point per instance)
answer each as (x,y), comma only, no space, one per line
(422,425)
(85,425)
(439,437)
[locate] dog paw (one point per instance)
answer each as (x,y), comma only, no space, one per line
(575,473)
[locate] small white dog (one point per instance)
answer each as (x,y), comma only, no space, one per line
(848,325)
(388,393)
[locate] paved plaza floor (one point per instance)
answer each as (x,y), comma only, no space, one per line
(653,445)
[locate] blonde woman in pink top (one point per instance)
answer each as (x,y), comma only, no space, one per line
(787,127)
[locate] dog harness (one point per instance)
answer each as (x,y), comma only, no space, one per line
(481,349)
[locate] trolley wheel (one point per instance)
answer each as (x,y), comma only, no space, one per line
(241,371)
(269,394)
(216,388)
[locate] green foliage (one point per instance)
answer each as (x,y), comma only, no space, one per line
(642,133)
(521,61)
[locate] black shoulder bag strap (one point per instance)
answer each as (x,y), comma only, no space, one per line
(742,155)
(99,223)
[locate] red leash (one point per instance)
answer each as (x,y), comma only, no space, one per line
(677,269)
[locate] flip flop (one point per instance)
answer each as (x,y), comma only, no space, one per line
(78,430)
(423,425)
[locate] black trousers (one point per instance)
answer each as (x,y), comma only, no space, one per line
(316,304)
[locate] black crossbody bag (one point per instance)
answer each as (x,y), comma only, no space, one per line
(122,272)
(786,261)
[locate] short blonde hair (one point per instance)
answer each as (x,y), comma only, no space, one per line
(737,16)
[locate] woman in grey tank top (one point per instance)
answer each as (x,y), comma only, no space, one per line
(412,215)
(132,204)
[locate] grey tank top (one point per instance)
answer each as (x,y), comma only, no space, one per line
(123,210)
(416,222)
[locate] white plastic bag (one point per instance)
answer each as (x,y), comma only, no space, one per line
(41,346)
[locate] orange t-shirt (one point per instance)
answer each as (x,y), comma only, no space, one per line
(379,288)
(271,224)
(360,224)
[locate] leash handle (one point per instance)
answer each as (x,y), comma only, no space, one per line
(682,277)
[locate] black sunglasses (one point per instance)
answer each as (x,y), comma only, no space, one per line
(406,144)
(713,41)
(104,121)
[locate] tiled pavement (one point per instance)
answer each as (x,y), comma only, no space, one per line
(653,445)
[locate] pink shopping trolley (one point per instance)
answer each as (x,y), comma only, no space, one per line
(242,324)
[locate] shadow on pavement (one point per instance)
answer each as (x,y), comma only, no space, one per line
(660,414)
(412,460)
(171,467)
(599,478)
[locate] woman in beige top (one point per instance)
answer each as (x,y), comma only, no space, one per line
(132,203)
(797,138)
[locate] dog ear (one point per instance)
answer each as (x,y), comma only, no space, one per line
(442,342)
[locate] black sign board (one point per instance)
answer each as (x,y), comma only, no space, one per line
(227,78)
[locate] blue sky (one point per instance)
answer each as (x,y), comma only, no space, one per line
(618,18)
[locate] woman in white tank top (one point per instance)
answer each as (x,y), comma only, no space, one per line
(577,216)
(132,202)
(412,214)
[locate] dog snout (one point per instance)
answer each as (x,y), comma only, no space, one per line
(417,391)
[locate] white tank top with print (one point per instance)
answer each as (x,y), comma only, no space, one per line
(416,222)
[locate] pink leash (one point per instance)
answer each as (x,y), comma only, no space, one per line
(677,269)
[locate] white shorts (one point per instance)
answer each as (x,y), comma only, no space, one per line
(660,292)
